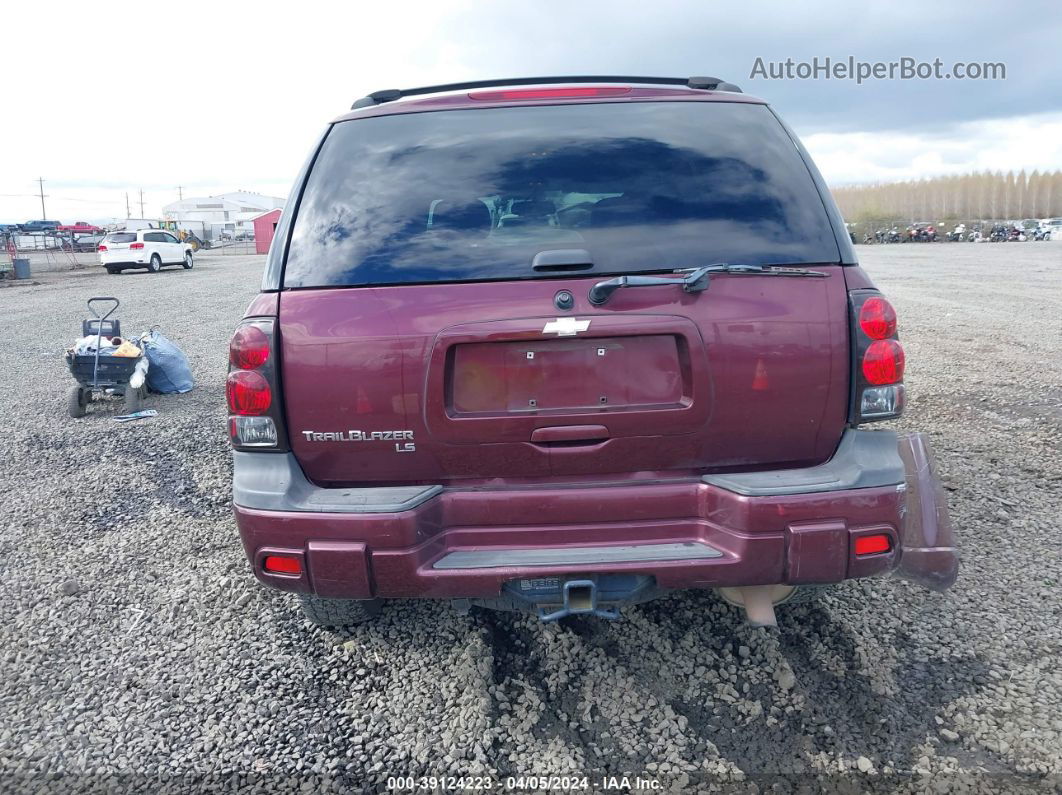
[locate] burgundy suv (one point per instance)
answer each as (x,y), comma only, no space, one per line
(565,345)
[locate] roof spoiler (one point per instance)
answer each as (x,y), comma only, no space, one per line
(391,94)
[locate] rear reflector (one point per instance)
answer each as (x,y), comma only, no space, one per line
(551,93)
(248,393)
(872,545)
(883,362)
(276,564)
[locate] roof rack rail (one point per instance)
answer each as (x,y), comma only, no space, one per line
(391,94)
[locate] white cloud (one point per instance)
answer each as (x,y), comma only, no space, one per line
(210,96)
(220,96)
(1028,142)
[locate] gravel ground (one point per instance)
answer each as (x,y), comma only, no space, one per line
(138,653)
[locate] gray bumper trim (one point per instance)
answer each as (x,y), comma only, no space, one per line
(574,556)
(864,459)
(275,482)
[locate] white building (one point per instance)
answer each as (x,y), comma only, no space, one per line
(228,213)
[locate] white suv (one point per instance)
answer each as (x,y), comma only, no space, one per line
(143,248)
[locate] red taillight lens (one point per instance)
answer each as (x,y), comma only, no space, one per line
(102,248)
(282,565)
(248,348)
(248,393)
(877,318)
(883,362)
(551,93)
(872,545)
(136,245)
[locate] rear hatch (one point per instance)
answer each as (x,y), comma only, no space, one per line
(436,321)
(118,241)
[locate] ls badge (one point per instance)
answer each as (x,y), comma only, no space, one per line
(352,435)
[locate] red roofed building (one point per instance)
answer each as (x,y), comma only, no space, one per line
(265,225)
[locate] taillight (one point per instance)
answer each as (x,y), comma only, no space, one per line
(572,92)
(878,359)
(136,245)
(255,417)
(102,248)
(883,362)
(249,348)
(248,393)
(877,318)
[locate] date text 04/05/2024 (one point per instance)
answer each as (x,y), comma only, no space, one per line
(517,783)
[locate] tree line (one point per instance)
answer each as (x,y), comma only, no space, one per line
(980,196)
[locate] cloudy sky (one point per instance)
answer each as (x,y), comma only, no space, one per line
(108,98)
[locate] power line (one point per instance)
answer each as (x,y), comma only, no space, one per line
(51,196)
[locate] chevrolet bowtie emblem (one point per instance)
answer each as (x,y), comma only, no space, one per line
(565,326)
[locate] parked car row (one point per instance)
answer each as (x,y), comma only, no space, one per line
(1012,231)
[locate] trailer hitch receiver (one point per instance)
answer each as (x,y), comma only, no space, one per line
(580,596)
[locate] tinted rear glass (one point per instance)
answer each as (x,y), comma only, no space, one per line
(475,194)
(121,237)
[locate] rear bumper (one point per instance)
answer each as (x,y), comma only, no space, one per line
(124,261)
(794,527)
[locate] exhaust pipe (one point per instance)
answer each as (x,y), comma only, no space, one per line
(758,601)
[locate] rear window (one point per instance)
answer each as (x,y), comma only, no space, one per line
(120,237)
(467,195)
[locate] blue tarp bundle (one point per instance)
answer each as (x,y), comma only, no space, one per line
(169,371)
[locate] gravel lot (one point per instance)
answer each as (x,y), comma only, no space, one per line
(137,651)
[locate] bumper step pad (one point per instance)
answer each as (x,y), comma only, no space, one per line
(574,556)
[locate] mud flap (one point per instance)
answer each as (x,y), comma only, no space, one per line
(927,544)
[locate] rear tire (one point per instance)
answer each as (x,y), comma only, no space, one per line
(76,403)
(155,264)
(113,271)
(134,400)
(187,260)
(339,612)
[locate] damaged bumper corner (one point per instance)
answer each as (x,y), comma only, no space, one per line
(928,555)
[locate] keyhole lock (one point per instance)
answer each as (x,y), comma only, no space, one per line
(564,300)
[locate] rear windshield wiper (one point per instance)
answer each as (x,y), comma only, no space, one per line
(694,280)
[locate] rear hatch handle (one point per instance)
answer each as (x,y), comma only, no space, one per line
(570,434)
(694,280)
(562,260)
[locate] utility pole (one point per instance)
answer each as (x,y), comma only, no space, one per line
(141,202)
(180,194)
(127,213)
(40,181)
